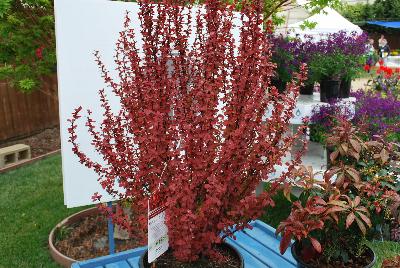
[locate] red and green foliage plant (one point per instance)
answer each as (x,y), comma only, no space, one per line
(191,124)
(358,192)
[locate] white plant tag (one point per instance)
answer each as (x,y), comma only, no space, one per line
(157,233)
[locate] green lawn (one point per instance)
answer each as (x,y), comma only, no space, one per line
(31,204)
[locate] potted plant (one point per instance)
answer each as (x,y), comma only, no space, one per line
(328,69)
(332,218)
(323,119)
(190,134)
(288,55)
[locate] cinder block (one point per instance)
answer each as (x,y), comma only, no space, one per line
(14,154)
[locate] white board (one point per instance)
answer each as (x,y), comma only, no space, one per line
(83,26)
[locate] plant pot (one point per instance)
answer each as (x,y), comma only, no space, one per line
(279,84)
(329,89)
(302,264)
(345,87)
(58,257)
(307,89)
(144,264)
(329,151)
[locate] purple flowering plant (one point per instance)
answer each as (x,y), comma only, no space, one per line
(376,113)
(325,117)
(289,53)
(379,114)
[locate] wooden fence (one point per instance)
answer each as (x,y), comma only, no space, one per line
(24,114)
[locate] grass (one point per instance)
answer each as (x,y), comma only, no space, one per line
(31,204)
(384,250)
(273,216)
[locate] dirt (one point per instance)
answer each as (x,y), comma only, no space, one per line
(88,238)
(354,261)
(391,263)
(230,260)
(41,143)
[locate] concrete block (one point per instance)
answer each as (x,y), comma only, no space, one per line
(14,154)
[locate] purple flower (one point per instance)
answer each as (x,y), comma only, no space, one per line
(380,114)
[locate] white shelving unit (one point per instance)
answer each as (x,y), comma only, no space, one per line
(316,155)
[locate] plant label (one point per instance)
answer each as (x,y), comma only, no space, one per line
(157,234)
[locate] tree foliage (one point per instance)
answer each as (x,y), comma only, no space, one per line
(27,42)
(379,10)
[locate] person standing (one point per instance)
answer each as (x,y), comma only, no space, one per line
(371,60)
(384,49)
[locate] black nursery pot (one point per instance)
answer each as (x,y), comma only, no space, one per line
(144,264)
(329,89)
(345,87)
(301,264)
(279,84)
(308,89)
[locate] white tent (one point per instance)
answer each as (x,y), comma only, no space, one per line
(327,21)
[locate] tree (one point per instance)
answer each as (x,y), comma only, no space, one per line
(191,125)
(27,42)
(386,9)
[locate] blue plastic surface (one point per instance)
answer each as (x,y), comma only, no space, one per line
(387,24)
(259,248)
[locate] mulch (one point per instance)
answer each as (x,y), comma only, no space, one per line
(391,263)
(88,238)
(41,143)
(229,260)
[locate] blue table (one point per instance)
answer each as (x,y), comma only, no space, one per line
(259,248)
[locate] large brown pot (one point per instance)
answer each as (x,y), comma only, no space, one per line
(60,258)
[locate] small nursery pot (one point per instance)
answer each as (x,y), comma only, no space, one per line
(308,89)
(345,87)
(302,264)
(144,264)
(329,89)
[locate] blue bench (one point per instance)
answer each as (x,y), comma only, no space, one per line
(259,248)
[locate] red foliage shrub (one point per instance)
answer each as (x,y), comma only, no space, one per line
(191,125)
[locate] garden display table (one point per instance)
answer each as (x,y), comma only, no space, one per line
(259,248)
(393,61)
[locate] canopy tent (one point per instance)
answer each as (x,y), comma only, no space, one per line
(327,21)
(386,24)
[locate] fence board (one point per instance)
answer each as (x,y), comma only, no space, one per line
(25,114)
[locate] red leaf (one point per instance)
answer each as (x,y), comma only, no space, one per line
(350,219)
(316,244)
(285,242)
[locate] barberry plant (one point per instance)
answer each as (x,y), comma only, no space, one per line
(191,125)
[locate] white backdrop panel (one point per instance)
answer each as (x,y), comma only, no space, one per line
(83,26)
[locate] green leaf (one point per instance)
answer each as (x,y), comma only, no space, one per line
(27,84)
(4,7)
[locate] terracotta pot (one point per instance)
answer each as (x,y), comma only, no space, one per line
(302,264)
(144,264)
(61,259)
